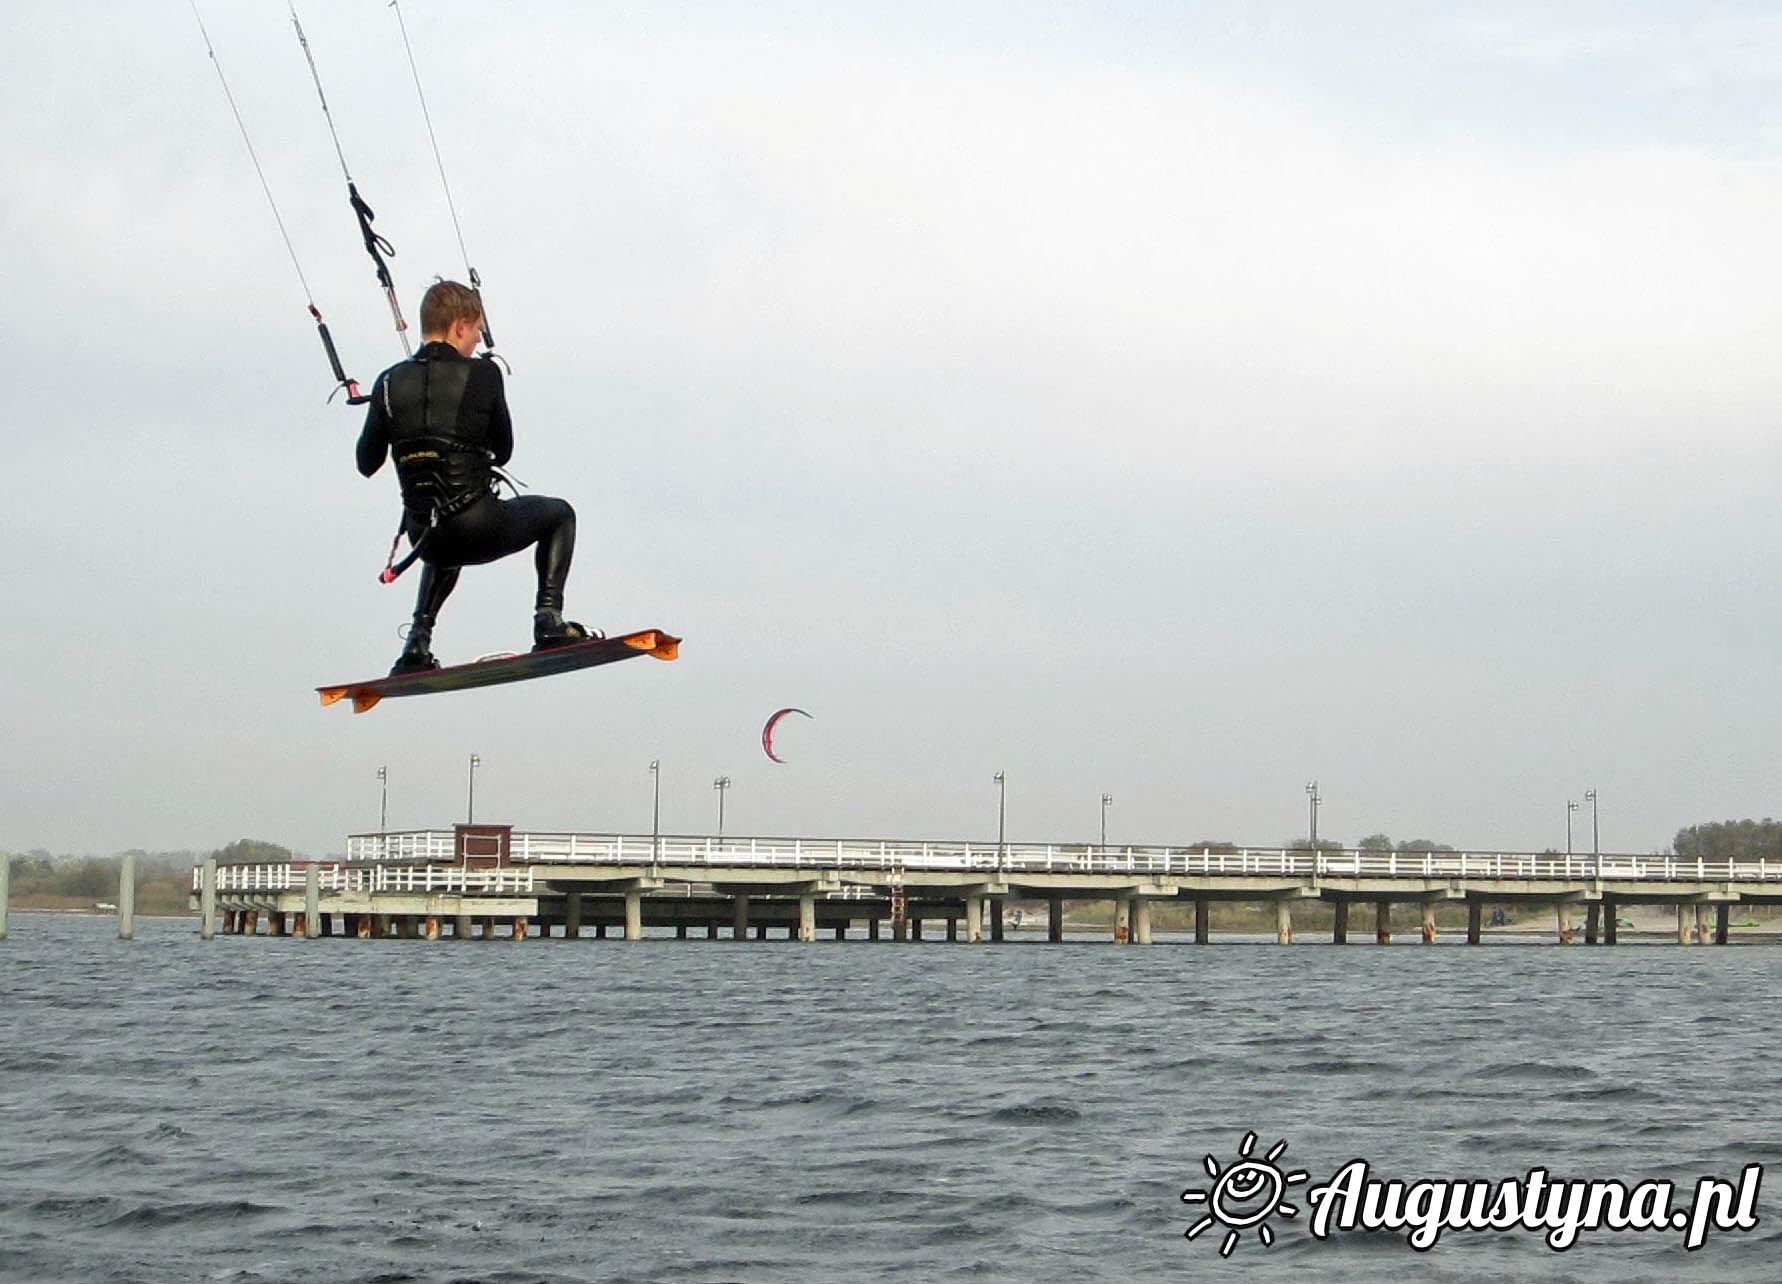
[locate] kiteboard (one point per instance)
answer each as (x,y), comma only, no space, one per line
(507,668)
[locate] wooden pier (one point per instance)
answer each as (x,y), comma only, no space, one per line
(487,880)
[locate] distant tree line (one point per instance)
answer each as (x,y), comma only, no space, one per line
(163,879)
(1731,840)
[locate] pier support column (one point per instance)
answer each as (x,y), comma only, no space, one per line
(807,917)
(207,899)
(312,902)
(952,928)
(1682,924)
(1122,920)
(430,929)
(1203,930)
(127,898)
(974,919)
(1475,916)
(761,931)
(680,931)
(1141,921)
(275,923)
(1283,922)
(739,920)
(711,931)
(1722,921)
(1054,918)
(572,916)
(362,928)
(521,923)
(462,927)
(872,928)
(1382,922)
(1701,923)
(1339,931)
(1562,914)
(6,889)
(1609,914)
(996,919)
(600,931)
(1429,923)
(634,915)
(487,930)
(1593,921)
(841,931)
(249,921)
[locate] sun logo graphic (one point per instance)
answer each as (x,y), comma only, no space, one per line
(1244,1195)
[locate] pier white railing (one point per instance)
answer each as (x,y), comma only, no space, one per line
(333,878)
(682,851)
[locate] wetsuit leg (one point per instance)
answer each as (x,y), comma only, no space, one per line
(437,583)
(494,528)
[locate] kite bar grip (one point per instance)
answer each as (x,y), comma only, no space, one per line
(354,396)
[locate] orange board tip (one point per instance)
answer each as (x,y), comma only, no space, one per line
(331,695)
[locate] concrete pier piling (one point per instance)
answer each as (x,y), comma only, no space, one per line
(127,898)
(572,916)
(807,917)
(1054,918)
(1339,929)
(974,919)
(312,903)
(5,890)
(1609,911)
(1475,921)
(1141,921)
(996,919)
(1682,924)
(1382,922)
(739,930)
(633,914)
(1722,920)
(1283,921)
(207,901)
(1593,917)
(1429,923)
(1122,920)
(1202,921)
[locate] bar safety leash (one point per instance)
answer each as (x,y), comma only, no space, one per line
(375,245)
(354,396)
(476,282)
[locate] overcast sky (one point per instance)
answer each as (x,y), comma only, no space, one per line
(1178,402)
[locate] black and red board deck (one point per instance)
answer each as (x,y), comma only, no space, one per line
(507,668)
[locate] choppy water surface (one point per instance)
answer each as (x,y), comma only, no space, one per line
(669,1110)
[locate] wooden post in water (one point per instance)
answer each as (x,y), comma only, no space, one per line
(1609,925)
(1054,918)
(634,914)
(1339,932)
(572,916)
(5,889)
(711,931)
(952,928)
(1475,913)
(996,919)
(1593,918)
(1202,926)
(1283,921)
(1722,920)
(1382,922)
(127,898)
(739,925)
(312,902)
(680,931)
(207,901)
(872,927)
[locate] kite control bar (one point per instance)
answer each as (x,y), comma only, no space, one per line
(354,396)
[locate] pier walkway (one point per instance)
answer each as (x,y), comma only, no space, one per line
(472,877)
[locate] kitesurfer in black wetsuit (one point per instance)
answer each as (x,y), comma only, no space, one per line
(442,415)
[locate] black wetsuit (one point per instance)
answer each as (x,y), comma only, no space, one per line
(443,417)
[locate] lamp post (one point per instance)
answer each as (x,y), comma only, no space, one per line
(721,784)
(470,804)
(1317,799)
(1106,800)
(383,804)
(1570,807)
(1596,847)
(1001,798)
(656,809)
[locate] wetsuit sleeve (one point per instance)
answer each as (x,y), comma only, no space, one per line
(501,424)
(374,438)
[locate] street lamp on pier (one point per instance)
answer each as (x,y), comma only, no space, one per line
(470,802)
(1596,847)
(1106,801)
(1001,799)
(383,803)
(1316,800)
(656,809)
(721,784)
(1570,807)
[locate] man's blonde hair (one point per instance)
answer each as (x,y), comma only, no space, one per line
(446,302)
